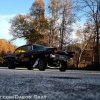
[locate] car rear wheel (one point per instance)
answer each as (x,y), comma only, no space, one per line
(63,66)
(42,64)
(10,63)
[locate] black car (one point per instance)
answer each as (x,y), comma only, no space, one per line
(34,55)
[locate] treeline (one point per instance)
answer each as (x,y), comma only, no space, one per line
(5,47)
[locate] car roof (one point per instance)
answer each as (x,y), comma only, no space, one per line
(31,44)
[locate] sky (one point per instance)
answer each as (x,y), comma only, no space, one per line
(8,9)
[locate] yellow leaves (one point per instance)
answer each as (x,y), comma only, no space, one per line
(6,46)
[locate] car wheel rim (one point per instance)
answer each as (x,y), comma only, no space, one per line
(41,64)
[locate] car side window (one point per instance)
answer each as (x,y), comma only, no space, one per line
(37,47)
(23,49)
(30,48)
(27,48)
(18,50)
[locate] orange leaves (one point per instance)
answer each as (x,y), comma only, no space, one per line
(5,47)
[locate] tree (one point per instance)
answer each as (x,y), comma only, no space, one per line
(31,27)
(5,47)
(91,8)
(84,39)
(53,9)
(37,12)
(60,22)
(22,26)
(66,22)
(37,9)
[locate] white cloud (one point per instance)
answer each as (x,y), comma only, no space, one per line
(4,26)
(4,29)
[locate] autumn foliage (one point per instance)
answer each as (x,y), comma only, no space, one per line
(5,47)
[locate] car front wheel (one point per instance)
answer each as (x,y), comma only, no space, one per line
(42,64)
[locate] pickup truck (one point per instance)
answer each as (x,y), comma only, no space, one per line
(38,56)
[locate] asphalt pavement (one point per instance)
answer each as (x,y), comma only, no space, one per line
(51,84)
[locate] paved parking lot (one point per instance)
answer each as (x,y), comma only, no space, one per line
(51,84)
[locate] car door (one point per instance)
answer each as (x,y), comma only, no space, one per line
(22,54)
(25,54)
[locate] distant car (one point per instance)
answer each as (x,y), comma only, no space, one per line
(38,56)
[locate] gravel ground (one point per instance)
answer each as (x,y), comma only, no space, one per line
(22,84)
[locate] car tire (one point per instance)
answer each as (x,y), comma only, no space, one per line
(10,63)
(63,66)
(42,64)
